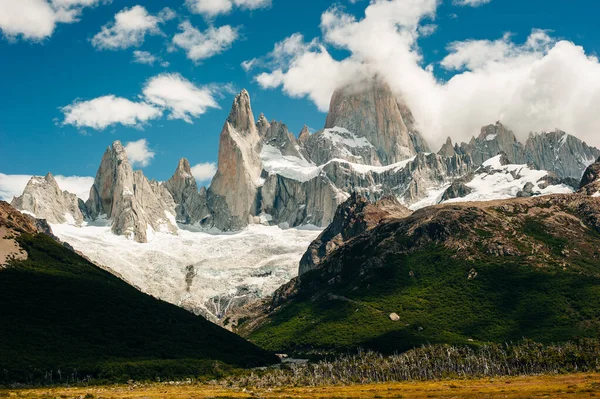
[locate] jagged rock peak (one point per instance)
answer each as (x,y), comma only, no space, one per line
(498,132)
(43,198)
(233,192)
(183,168)
(191,206)
(590,183)
(134,205)
(369,109)
(241,117)
(353,217)
(447,149)
(262,125)
(304,134)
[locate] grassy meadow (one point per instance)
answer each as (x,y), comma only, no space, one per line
(571,386)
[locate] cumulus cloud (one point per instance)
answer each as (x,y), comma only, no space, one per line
(179,96)
(138,153)
(203,172)
(202,45)
(130,27)
(471,3)
(170,93)
(538,85)
(144,57)
(13,185)
(212,8)
(37,19)
(106,111)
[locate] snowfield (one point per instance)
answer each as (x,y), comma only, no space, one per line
(202,272)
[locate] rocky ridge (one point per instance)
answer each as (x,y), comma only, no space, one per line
(43,197)
(370,145)
(557,152)
(438,262)
(353,217)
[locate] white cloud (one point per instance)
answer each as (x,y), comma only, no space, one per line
(138,153)
(13,185)
(538,85)
(212,8)
(181,97)
(201,45)
(471,3)
(203,172)
(106,111)
(37,19)
(164,92)
(130,27)
(144,57)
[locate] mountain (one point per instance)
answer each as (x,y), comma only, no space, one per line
(62,314)
(265,175)
(557,152)
(43,197)
(192,207)
(268,180)
(365,125)
(459,273)
(497,178)
(136,207)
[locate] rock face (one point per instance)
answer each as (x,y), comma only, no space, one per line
(590,183)
(43,198)
(355,216)
(135,206)
(366,125)
(191,205)
(556,152)
(560,153)
(233,192)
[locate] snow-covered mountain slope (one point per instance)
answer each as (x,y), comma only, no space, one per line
(205,273)
(496,179)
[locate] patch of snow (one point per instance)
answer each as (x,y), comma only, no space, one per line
(259,258)
(70,219)
(340,135)
(494,162)
(563,140)
(360,168)
(292,167)
(506,181)
(490,137)
(28,213)
(171,217)
(265,218)
(434,196)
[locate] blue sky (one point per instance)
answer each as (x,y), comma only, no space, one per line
(44,70)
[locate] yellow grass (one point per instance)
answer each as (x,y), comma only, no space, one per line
(573,386)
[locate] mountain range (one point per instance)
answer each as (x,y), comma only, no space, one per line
(268,178)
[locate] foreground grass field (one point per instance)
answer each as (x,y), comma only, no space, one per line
(572,386)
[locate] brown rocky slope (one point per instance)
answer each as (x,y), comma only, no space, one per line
(456,273)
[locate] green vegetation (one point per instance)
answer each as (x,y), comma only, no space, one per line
(64,320)
(440,298)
